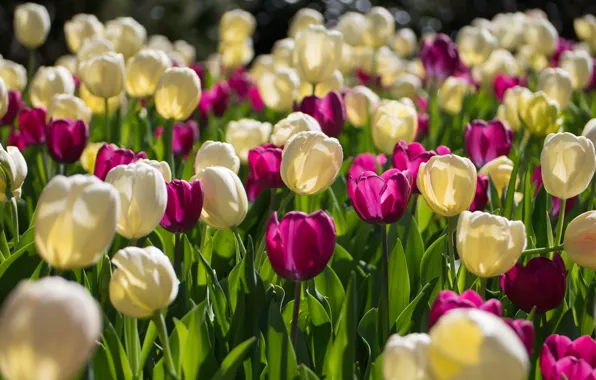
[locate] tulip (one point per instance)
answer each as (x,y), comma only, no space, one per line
(542,36)
(75,221)
(49,81)
(49,330)
(406,85)
(378,28)
(3,98)
(69,62)
(185,203)
(504,82)
(304,18)
(15,139)
(579,238)
(127,35)
(13,74)
(66,106)
(368,162)
(300,246)
(143,197)
(351,25)
(13,170)
(556,202)
(236,26)
(585,28)
(440,57)
(143,282)
(361,104)
(80,28)
(404,42)
(557,85)
(178,93)
(236,54)
(283,52)
(215,153)
(310,162)
(393,121)
(263,63)
(509,29)
(253,190)
(186,50)
(563,45)
(485,141)
(32,124)
(265,163)
(92,47)
(215,100)
(562,358)
(162,167)
(96,104)
(406,357)
(525,332)
(225,204)
(66,140)
(335,82)
(31,24)
(108,157)
(539,113)
(498,62)
(508,111)
(568,163)
(410,156)
(475,44)
(279,88)
(481,197)
(423,125)
(294,123)
(160,42)
(317,53)
(14,107)
(580,67)
(447,183)
(89,156)
(330,112)
(143,72)
(452,94)
(499,171)
(95,73)
(448,300)
(183,137)
(486,348)
(246,134)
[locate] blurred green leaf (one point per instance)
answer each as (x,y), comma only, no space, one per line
(231,364)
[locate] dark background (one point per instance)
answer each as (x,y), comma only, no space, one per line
(196,20)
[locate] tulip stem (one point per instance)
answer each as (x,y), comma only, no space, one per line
(130,339)
(285,202)
(106,115)
(541,251)
(178,251)
(385,290)
(451,252)
(314,89)
(15,222)
(295,314)
(162,331)
(592,194)
(482,287)
(241,252)
(559,234)
(167,142)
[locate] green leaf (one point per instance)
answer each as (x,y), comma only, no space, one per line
(399,282)
(231,364)
(306,373)
(150,337)
(407,317)
(538,220)
(414,251)
(424,214)
(102,368)
(281,360)
(337,212)
(19,266)
(115,351)
(368,329)
(197,357)
(318,331)
(4,250)
(177,343)
(566,326)
(431,264)
(511,187)
(329,285)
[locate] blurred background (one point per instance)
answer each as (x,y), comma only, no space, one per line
(196,20)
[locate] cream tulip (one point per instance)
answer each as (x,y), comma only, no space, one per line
(69,62)
(143,198)
(216,153)
(500,61)
(475,44)
(143,72)
(103,75)
(96,104)
(392,122)
(499,171)
(225,204)
(236,54)
(475,344)
(186,50)
(508,111)
(75,221)
(351,25)
(144,282)
(361,104)
(14,75)
(489,245)
(405,357)
(589,131)
(92,47)
(579,65)
(509,29)
(452,94)
(279,88)
(542,36)
(294,123)
(317,53)
(80,28)
(49,81)
(580,235)
(310,162)
(539,114)
(3,98)
(333,83)
(388,66)
(379,27)
(31,24)
(447,183)
(247,134)
(66,106)
(262,64)
(347,63)
(304,18)
(585,28)
(160,42)
(177,94)
(89,155)
(568,163)
(236,26)
(406,85)
(363,58)
(13,170)
(49,330)
(416,67)
(404,42)
(127,35)
(161,167)
(557,85)
(283,52)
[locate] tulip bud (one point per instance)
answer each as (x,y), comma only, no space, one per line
(300,246)
(296,122)
(538,112)
(108,157)
(92,47)
(69,62)
(279,88)
(481,197)
(509,29)
(525,332)
(265,163)
(579,65)
(13,170)
(579,240)
(215,153)
(80,28)
(49,330)
(447,195)
(161,166)
(185,203)
(556,202)
(3,99)
(14,75)
(361,105)
(367,162)
(508,111)
(143,197)
(504,82)
(246,134)
(143,282)
(486,141)
(225,204)
(31,24)
(49,81)
(187,51)
(89,156)
(263,63)
(393,121)
(317,53)
(410,156)
(66,140)
(448,300)
(159,42)
(236,26)
(542,36)
(236,54)
(97,104)
(498,62)
(103,75)
(499,171)
(14,107)
(127,35)
(378,28)
(557,85)
(329,112)
(406,357)
(568,163)
(440,57)
(143,72)
(452,94)
(32,124)
(475,44)
(66,106)
(310,162)
(585,28)
(178,93)
(404,42)
(562,358)
(184,136)
(283,52)
(304,18)
(351,26)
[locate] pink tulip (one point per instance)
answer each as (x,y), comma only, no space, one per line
(366,162)
(423,125)
(200,69)
(265,163)
(486,141)
(524,330)
(215,100)
(185,203)
(108,157)
(481,197)
(239,82)
(440,57)
(554,212)
(410,156)
(253,190)
(329,111)
(576,360)
(15,104)
(66,140)
(448,300)
(184,136)
(592,85)
(300,246)
(368,79)
(255,100)
(504,82)
(16,139)
(563,45)
(32,123)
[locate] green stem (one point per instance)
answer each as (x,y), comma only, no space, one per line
(178,251)
(106,115)
(592,194)
(559,235)
(385,291)
(541,251)
(132,242)
(314,89)
(482,287)
(162,331)
(130,339)
(167,142)
(15,222)
(241,252)
(296,314)
(203,236)
(263,230)
(286,202)
(451,248)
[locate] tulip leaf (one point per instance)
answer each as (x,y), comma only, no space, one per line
(566,326)
(586,305)
(424,214)
(178,343)
(539,222)
(231,364)
(197,358)
(115,351)
(414,250)
(413,312)
(4,250)
(306,373)
(148,342)
(399,282)
(19,266)
(328,284)
(527,214)
(102,367)
(368,329)
(511,188)
(432,261)
(281,359)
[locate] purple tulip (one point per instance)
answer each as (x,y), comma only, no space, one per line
(32,123)
(329,111)
(410,156)
(556,202)
(16,139)
(440,57)
(15,104)
(215,100)
(184,136)
(108,157)
(366,162)
(239,82)
(368,79)
(199,68)
(265,163)
(576,360)
(448,300)
(525,332)
(253,190)
(255,100)
(66,140)
(541,283)
(486,141)
(481,197)
(300,246)
(423,125)
(380,199)
(563,45)
(504,82)
(185,203)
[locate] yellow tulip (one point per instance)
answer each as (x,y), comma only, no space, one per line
(31,24)
(283,52)
(75,221)
(143,72)
(579,65)
(236,54)
(388,66)
(404,42)
(66,106)
(585,28)
(500,61)
(333,83)
(317,53)
(509,29)
(49,81)
(542,36)
(143,282)
(448,184)
(278,88)
(160,42)
(12,174)
(89,155)
(394,121)
(557,85)
(3,98)
(304,18)
(236,26)
(361,104)
(262,64)
(379,27)
(531,59)
(579,240)
(96,104)
(539,113)
(294,123)
(508,111)
(186,50)
(363,58)
(92,47)
(405,357)
(103,75)
(406,85)
(14,75)
(127,35)
(351,25)
(475,44)
(216,153)
(499,171)
(49,330)
(80,28)
(69,62)
(178,93)
(452,94)
(347,63)
(310,162)
(247,134)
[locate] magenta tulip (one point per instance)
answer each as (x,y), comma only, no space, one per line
(300,246)
(15,105)
(185,203)
(380,199)
(556,202)
(108,157)
(255,100)
(366,162)
(504,82)
(32,123)
(66,139)
(16,139)
(253,190)
(524,330)
(481,197)
(200,69)
(329,111)
(239,82)
(563,45)
(423,125)
(440,57)
(576,360)
(265,163)
(486,141)
(368,79)
(184,136)
(448,300)
(410,156)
